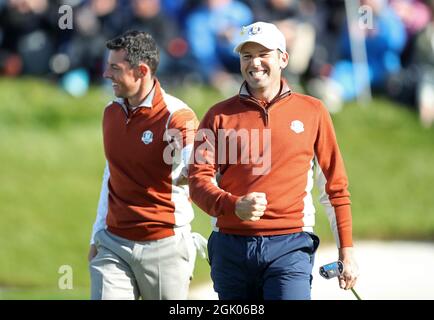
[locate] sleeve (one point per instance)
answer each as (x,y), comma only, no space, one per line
(184,121)
(101,213)
(204,190)
(332,181)
(182,129)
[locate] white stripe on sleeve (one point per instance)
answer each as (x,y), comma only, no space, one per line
(101,213)
(325,201)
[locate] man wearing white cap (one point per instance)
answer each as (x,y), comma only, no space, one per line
(262,245)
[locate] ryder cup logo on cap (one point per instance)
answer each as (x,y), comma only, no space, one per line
(265,34)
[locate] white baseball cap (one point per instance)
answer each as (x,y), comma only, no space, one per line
(264,33)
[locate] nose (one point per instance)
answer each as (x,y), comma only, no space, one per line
(106,74)
(256,61)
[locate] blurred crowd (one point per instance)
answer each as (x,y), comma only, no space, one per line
(196,38)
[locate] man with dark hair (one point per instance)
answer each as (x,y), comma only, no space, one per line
(139,47)
(142,245)
(255,180)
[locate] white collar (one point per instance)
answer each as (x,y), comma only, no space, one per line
(147,103)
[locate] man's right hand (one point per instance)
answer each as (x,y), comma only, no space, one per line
(251,206)
(92,252)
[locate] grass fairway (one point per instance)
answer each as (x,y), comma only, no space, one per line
(51,163)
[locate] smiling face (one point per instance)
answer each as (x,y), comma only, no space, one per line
(262,69)
(125,79)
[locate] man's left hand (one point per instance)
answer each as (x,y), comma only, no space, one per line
(349,276)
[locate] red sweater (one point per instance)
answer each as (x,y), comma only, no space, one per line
(145,202)
(295,133)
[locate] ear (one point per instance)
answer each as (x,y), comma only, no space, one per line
(283,60)
(143,70)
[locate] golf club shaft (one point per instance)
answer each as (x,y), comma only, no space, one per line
(355,293)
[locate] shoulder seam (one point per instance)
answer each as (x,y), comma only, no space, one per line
(175,104)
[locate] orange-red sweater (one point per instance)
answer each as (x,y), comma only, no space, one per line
(300,137)
(145,201)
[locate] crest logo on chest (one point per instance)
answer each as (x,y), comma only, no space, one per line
(147,137)
(297,126)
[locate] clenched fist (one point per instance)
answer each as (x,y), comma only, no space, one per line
(251,206)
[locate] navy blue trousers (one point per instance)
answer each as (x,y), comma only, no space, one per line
(262,267)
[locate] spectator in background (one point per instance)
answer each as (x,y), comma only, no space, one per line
(384,44)
(415,15)
(212,30)
(27,34)
(424,58)
(148,16)
(414,85)
(95,22)
(175,9)
(424,61)
(329,21)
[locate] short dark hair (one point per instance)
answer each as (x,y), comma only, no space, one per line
(139,47)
